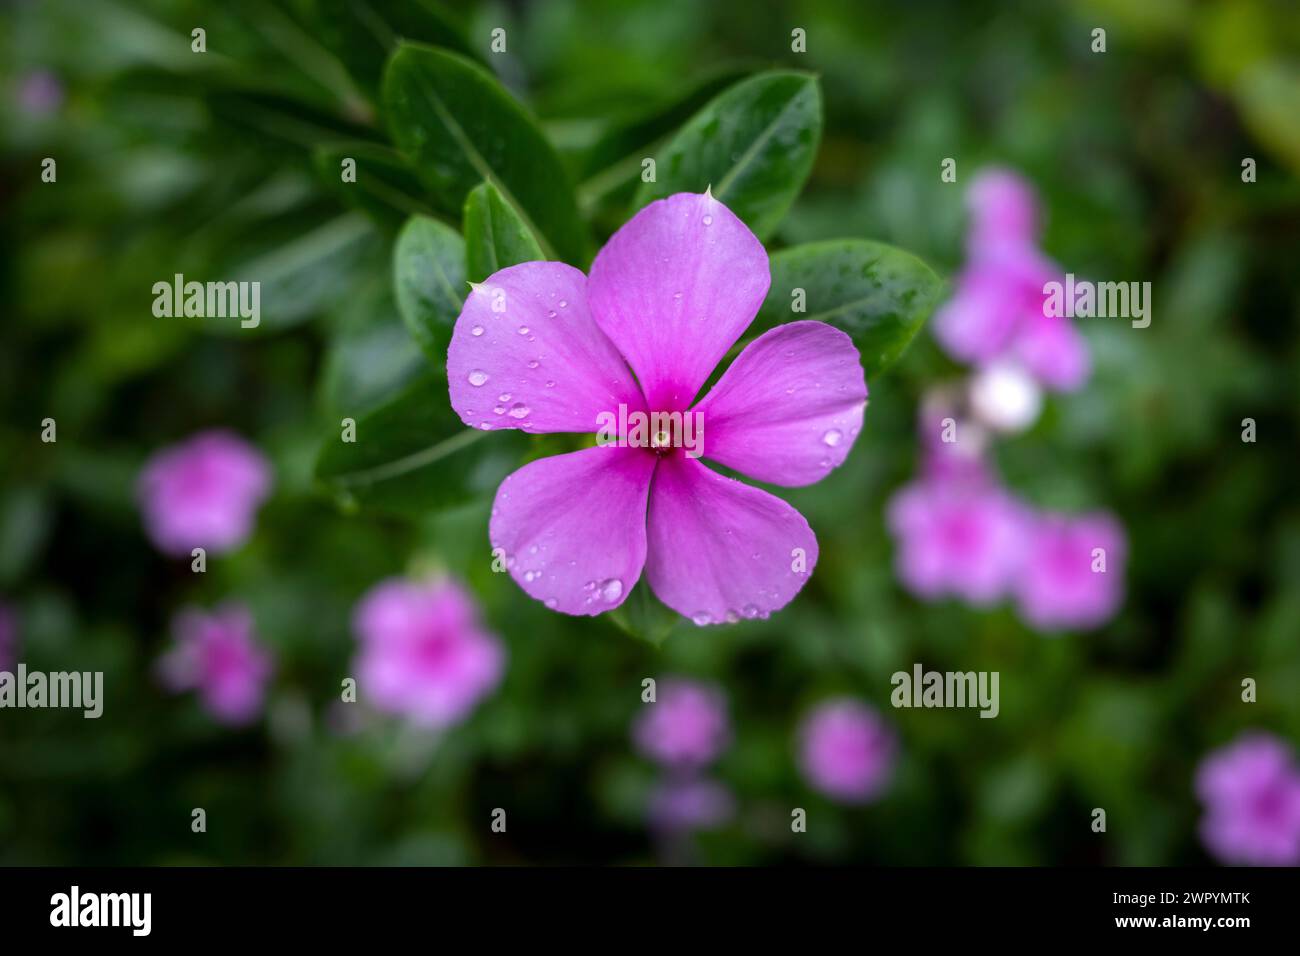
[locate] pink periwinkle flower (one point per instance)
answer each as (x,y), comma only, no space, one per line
(8,637)
(998,311)
(423,653)
(541,347)
(957,532)
(218,655)
(1251,792)
(203,493)
(957,538)
(684,804)
(846,750)
(686,727)
(1061,584)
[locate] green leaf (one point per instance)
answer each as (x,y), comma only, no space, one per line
(413,455)
(429,281)
(363,33)
(754,144)
(643,616)
(270,118)
(386,187)
(370,356)
(613,161)
(460,127)
(300,278)
(878,294)
(496,235)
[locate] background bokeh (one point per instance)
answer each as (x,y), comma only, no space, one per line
(207,165)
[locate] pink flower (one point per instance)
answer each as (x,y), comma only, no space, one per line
(219,656)
(1060,584)
(8,638)
(423,653)
(540,346)
(957,532)
(957,538)
(1003,211)
(998,312)
(846,750)
(678,805)
(686,727)
(203,493)
(40,93)
(1251,792)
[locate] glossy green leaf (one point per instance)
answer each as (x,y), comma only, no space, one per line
(878,294)
(429,281)
(460,127)
(753,144)
(413,455)
(496,235)
(385,187)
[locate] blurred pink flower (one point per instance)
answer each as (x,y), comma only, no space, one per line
(690,803)
(203,493)
(40,93)
(1251,792)
(8,637)
(1057,587)
(218,655)
(957,538)
(998,308)
(846,750)
(422,652)
(541,347)
(686,727)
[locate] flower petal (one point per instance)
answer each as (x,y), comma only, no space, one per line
(790,406)
(1054,352)
(674,289)
(525,353)
(572,527)
(720,550)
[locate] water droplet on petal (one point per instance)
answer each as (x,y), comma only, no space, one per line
(503,397)
(708,220)
(833,437)
(552,603)
(551,314)
(534,363)
(750,611)
(563,304)
(476,331)
(701,619)
(477,377)
(524,330)
(520,411)
(611,590)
